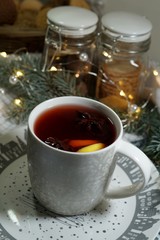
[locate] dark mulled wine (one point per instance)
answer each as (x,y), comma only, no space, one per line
(73,127)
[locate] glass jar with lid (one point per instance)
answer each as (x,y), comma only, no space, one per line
(124,40)
(70,46)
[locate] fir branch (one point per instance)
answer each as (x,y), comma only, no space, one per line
(153,146)
(148,126)
(35,86)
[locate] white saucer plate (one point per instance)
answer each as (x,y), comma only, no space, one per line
(22,217)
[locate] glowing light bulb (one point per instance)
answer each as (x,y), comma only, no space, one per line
(77,75)
(53,68)
(130,97)
(106,54)
(155,72)
(3,54)
(18,102)
(121,83)
(19,73)
(122,93)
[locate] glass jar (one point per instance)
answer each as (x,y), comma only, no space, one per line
(124,40)
(70,47)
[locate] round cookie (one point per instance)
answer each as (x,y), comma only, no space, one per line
(8,12)
(32,5)
(82,4)
(41,19)
(27,14)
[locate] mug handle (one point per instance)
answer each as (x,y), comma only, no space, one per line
(142,161)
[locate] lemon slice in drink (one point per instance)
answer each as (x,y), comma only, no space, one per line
(92,147)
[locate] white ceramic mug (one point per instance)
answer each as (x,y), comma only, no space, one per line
(71,183)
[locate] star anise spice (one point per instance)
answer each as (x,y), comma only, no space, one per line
(94,125)
(56,143)
(53,142)
(90,123)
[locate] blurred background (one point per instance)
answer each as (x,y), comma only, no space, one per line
(23,22)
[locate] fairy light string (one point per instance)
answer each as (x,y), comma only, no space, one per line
(26,85)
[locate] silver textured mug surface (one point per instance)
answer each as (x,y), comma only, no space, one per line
(71,183)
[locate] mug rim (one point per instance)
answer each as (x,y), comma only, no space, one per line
(32,118)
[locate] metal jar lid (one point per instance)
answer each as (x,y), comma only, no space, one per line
(72,21)
(126,27)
